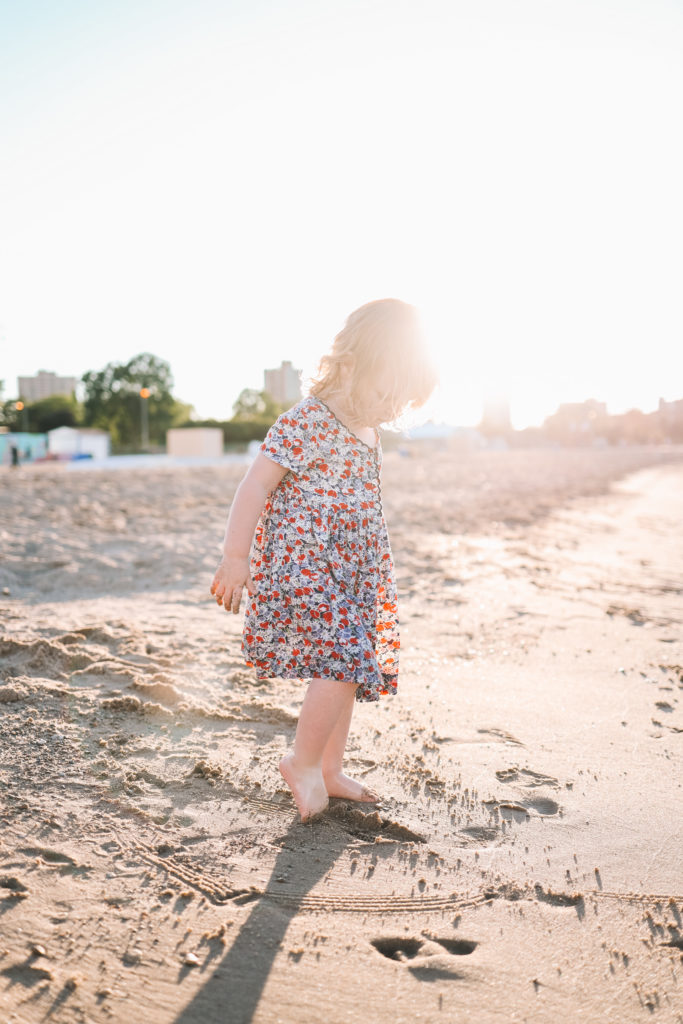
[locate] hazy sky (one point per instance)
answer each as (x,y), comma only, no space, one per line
(221,183)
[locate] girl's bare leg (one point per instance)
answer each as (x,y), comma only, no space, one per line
(325,701)
(336,782)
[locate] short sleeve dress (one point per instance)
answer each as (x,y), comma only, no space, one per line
(326,604)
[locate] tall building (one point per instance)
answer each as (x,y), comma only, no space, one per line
(44,385)
(283,384)
(671,413)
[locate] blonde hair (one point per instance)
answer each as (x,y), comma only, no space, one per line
(382,337)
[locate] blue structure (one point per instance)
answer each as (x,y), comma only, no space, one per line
(29,446)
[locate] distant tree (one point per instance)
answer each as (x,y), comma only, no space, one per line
(6,408)
(113,402)
(55,411)
(9,417)
(256,405)
(3,411)
(253,413)
(235,432)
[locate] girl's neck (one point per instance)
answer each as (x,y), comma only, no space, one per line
(362,431)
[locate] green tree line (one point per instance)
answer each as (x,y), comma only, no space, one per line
(112,402)
(253,413)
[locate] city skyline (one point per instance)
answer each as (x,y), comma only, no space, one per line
(494,407)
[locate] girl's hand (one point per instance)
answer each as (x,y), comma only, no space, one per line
(230,579)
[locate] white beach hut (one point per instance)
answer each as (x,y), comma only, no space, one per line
(74,441)
(197,442)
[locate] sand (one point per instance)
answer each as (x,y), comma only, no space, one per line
(525,863)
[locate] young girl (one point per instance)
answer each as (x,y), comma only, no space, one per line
(319,574)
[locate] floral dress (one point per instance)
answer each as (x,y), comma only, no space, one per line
(326,604)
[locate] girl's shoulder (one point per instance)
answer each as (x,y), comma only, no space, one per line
(294,434)
(307,408)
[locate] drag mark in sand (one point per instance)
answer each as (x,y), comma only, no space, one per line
(638,617)
(512,892)
(395,904)
(221,894)
(502,735)
(378,904)
(215,892)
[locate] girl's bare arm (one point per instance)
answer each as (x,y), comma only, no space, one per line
(232,574)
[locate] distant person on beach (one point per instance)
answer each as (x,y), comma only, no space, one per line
(14,452)
(322,602)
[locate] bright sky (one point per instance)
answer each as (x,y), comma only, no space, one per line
(221,183)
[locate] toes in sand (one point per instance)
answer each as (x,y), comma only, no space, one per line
(341,785)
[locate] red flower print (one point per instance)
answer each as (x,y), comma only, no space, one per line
(321,548)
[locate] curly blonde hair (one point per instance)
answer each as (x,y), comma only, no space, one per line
(380,340)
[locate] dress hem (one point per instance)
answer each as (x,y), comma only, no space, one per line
(374,699)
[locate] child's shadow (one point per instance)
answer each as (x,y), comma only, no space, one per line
(232,993)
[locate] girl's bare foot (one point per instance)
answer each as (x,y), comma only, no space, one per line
(338,784)
(307,786)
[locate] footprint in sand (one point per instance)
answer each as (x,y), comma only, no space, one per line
(26,974)
(12,883)
(481,833)
(61,861)
(16,890)
(432,958)
(520,809)
(542,805)
(526,777)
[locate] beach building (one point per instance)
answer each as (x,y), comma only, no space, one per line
(283,384)
(671,413)
(43,385)
(199,442)
(73,442)
(576,420)
(28,446)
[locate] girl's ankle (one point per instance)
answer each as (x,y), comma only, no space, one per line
(301,764)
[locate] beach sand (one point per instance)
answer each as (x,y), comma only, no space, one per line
(526,861)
